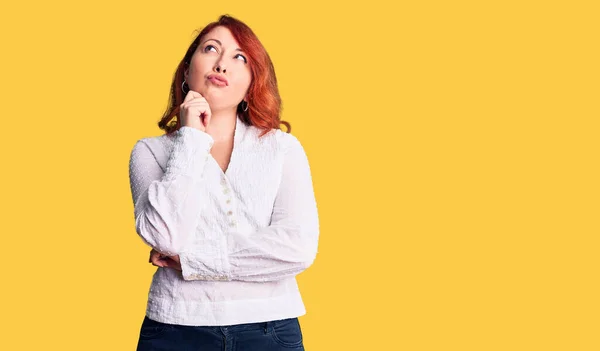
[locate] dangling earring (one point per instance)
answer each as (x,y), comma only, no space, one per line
(183,90)
(244,109)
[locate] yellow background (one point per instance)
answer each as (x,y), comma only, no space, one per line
(453,144)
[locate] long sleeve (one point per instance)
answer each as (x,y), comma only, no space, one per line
(285,248)
(167,204)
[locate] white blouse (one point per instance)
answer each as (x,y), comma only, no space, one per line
(242,235)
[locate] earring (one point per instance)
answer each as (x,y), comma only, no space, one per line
(183,90)
(244,109)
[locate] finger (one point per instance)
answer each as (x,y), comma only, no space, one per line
(196,101)
(153,253)
(159,264)
(165,263)
(207,117)
(191,95)
(200,110)
(169,262)
(200,105)
(192,106)
(156,260)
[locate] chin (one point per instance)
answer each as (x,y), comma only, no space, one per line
(218,104)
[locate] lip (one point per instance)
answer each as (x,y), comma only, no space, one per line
(218,80)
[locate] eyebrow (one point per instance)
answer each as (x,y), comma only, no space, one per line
(238,49)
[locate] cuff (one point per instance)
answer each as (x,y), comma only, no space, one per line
(206,261)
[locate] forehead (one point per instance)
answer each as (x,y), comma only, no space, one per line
(222,34)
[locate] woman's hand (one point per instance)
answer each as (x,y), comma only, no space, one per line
(161,260)
(195,111)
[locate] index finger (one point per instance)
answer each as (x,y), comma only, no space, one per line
(191,95)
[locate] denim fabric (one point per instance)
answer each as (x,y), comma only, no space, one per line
(284,334)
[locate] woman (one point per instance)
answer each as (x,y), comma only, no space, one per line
(225,199)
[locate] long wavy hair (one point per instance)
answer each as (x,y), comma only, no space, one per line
(264,103)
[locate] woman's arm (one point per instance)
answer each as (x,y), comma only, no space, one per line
(285,248)
(166,206)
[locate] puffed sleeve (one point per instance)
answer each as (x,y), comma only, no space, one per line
(167,204)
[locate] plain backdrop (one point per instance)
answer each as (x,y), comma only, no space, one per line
(453,147)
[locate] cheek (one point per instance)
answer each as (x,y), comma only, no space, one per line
(201,65)
(241,83)
(244,81)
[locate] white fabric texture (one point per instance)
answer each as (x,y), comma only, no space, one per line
(242,235)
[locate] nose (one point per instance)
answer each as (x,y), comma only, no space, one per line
(219,68)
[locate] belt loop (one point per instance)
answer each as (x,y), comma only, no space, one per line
(266,327)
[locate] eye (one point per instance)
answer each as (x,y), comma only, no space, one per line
(242,56)
(206,48)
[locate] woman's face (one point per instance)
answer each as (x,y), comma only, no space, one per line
(218,54)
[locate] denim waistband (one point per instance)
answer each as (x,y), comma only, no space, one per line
(234,327)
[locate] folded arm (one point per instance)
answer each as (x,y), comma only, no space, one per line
(283,249)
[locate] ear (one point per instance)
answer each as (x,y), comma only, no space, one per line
(185,69)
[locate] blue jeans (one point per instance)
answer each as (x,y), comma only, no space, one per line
(283,334)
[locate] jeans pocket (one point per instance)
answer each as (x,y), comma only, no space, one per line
(151,329)
(287,332)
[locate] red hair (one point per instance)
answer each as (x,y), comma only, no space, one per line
(264,102)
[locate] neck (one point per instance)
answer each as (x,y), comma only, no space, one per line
(222,125)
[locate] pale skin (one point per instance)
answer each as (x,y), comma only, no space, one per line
(210,107)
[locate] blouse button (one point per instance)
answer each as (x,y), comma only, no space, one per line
(229,213)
